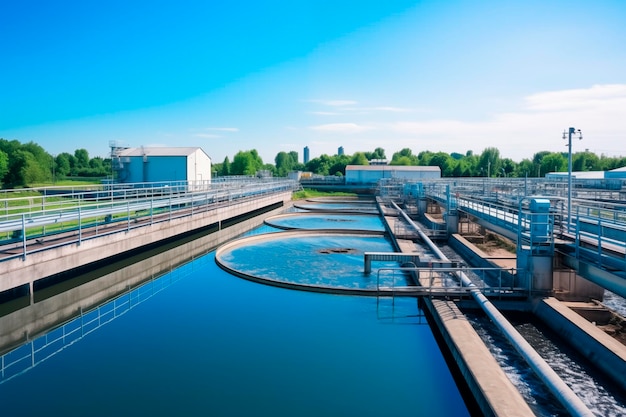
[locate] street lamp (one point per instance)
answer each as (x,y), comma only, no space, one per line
(567,134)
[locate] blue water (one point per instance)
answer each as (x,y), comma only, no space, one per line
(318,260)
(351,207)
(328,221)
(212,344)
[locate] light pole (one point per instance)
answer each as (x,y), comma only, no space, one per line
(567,134)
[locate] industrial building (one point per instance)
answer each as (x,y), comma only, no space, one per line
(611,180)
(161,164)
(371,174)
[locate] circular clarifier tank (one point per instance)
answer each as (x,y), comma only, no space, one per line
(336,205)
(323,261)
(327,220)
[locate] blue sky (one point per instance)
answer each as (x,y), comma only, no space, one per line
(276,76)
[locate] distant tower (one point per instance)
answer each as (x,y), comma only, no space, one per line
(306,154)
(340,151)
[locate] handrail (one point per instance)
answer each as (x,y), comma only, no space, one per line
(91,213)
(434,289)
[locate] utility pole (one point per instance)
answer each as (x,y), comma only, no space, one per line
(567,134)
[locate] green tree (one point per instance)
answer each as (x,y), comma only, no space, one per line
(490,162)
(9,146)
(537,159)
(284,163)
(402,160)
(553,162)
(586,161)
(379,153)
(424,157)
(4,165)
(359,158)
(246,163)
(63,164)
(404,157)
(96,163)
(24,169)
(225,171)
(461,168)
(524,168)
(609,163)
(508,167)
(443,161)
(320,165)
(82,158)
(338,165)
(473,165)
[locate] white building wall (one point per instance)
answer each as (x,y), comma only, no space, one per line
(372,174)
(199,166)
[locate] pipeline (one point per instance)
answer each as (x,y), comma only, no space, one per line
(553,382)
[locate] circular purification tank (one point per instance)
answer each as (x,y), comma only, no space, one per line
(322,261)
(338,205)
(327,220)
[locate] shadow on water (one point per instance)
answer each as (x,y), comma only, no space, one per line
(173,334)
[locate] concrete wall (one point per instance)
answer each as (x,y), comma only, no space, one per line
(42,264)
(66,300)
(572,287)
(479,259)
(494,393)
(605,352)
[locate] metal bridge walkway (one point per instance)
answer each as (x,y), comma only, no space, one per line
(592,240)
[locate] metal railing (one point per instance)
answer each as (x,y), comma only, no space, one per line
(444,282)
(600,236)
(72,216)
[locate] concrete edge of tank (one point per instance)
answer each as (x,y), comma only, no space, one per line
(492,390)
(605,352)
(293,285)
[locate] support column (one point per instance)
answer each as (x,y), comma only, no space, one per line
(535,246)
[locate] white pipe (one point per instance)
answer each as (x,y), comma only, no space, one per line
(555,384)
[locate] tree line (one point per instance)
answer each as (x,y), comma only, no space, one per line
(23,164)
(29,164)
(488,163)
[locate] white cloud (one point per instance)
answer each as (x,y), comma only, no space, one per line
(599,111)
(207,135)
(334,103)
(325,113)
(341,128)
(223,129)
(392,109)
(349,107)
(598,96)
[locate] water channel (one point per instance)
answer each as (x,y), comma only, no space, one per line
(193,339)
(196,340)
